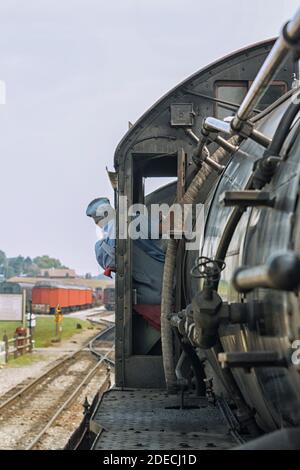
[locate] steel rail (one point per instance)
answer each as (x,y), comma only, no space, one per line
(41,377)
(80,439)
(97,353)
(70,399)
(101,335)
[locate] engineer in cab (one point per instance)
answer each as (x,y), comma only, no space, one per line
(148,256)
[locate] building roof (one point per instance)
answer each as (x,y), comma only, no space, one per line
(58,272)
(92,283)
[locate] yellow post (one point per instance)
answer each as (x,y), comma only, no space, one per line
(58,319)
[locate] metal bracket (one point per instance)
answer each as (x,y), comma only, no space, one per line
(247,198)
(281,272)
(248,360)
(246,129)
(182,114)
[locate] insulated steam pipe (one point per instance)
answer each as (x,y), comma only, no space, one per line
(169,269)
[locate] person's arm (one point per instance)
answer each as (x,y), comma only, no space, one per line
(105,255)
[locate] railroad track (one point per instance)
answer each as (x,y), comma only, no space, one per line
(29,412)
(100,346)
(99,318)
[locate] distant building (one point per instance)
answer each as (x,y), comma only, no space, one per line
(58,273)
(29,282)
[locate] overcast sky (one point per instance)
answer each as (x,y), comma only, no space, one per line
(76,71)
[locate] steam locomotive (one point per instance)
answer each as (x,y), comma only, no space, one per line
(230,135)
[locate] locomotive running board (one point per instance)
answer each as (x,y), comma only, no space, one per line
(152,419)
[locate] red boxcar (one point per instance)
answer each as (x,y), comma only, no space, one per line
(46,297)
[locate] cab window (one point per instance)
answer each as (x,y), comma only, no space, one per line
(230,94)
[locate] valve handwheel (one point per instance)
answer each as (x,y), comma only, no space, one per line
(207,268)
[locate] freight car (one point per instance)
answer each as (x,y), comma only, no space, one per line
(98,296)
(46,297)
(227,346)
(109,298)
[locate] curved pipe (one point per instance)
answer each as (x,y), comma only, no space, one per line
(169,270)
(284,126)
(274,149)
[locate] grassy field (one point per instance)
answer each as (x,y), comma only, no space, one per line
(25,360)
(45,329)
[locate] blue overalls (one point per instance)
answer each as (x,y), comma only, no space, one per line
(148,264)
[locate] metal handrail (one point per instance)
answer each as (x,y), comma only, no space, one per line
(287,42)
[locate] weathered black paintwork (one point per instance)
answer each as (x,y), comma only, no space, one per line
(150,148)
(272,392)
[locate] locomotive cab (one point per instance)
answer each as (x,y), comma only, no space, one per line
(222,355)
(161,145)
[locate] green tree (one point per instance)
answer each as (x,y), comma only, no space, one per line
(2,258)
(3,263)
(27,264)
(45,262)
(16,265)
(9,272)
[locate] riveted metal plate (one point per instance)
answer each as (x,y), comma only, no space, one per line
(152,419)
(182,114)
